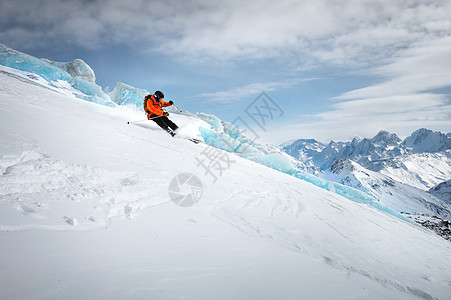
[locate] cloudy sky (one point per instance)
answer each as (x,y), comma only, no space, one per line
(335,68)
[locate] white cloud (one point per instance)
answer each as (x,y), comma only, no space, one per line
(405,107)
(403,101)
(401,114)
(250,90)
(325,31)
(422,67)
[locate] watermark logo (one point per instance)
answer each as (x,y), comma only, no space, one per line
(245,129)
(185,189)
(262,108)
(214,161)
(240,136)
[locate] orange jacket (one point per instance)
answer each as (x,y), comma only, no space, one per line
(155,106)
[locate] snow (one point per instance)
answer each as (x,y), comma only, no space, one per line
(85,213)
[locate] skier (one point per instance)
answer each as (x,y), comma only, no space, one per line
(152,106)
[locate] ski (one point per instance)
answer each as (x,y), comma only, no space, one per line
(195,141)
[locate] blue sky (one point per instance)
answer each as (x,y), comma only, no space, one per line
(337,69)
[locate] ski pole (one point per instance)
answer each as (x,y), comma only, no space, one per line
(177,107)
(133,122)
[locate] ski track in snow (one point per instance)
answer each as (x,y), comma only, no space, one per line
(285,217)
(35,186)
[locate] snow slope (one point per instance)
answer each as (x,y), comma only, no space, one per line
(442,191)
(421,170)
(395,195)
(85,213)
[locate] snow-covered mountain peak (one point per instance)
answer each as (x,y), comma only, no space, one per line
(356,140)
(385,138)
(343,165)
(304,148)
(334,147)
(442,191)
(425,140)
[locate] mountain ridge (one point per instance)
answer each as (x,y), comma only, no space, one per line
(384,153)
(401,174)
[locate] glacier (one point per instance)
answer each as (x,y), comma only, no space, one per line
(77,73)
(76,68)
(21,61)
(124,94)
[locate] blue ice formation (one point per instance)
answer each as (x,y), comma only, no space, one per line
(21,61)
(80,76)
(76,68)
(124,94)
(91,91)
(226,136)
(346,191)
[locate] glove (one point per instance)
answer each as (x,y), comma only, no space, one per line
(170,102)
(165,114)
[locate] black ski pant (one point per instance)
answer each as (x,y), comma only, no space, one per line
(164,123)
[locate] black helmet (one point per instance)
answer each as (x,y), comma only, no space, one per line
(158,95)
